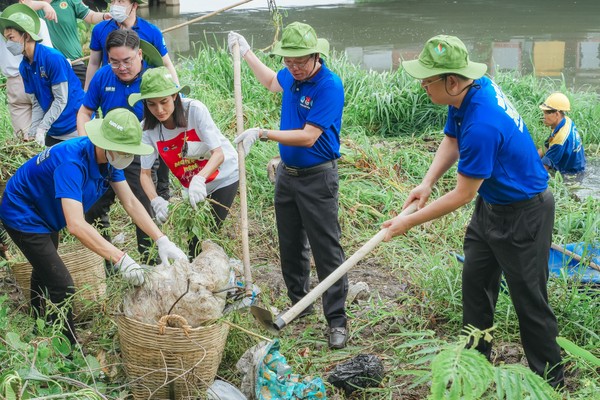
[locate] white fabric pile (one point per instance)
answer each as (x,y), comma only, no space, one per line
(208,275)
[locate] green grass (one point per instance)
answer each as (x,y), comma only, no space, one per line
(389,137)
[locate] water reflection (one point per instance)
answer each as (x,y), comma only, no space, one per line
(532,37)
(589,186)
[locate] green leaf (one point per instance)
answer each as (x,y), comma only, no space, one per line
(61,345)
(9,393)
(14,340)
(94,365)
(466,372)
(43,353)
(577,351)
(515,381)
(34,375)
(40,324)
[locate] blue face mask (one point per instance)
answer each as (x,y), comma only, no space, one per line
(119,13)
(15,48)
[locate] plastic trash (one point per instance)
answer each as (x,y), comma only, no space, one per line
(364,370)
(221,390)
(266,375)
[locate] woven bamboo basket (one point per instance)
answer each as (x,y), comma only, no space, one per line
(87,271)
(171,360)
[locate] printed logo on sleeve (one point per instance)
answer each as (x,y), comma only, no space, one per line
(43,156)
(306,102)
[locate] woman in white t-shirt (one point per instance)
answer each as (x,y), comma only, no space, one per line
(185,136)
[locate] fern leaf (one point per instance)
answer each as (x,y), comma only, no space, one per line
(518,382)
(459,373)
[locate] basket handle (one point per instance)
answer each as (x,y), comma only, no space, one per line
(173,321)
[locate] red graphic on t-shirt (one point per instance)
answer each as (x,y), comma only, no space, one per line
(184,169)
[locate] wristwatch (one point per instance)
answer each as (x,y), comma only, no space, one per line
(263,134)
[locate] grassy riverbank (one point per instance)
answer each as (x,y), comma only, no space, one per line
(390,133)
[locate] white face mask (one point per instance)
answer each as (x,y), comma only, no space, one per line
(119,13)
(15,48)
(119,161)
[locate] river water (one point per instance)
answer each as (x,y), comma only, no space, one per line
(547,37)
(557,39)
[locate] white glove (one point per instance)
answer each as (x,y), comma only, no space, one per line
(236,37)
(197,190)
(196,150)
(167,250)
(40,136)
(161,209)
(185,193)
(248,137)
(131,271)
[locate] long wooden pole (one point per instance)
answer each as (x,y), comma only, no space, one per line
(191,21)
(239,118)
(274,325)
(574,256)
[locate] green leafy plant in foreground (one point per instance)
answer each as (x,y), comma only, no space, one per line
(44,366)
(458,371)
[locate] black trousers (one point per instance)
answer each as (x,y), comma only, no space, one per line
(162,180)
(80,70)
(98,213)
(50,278)
(514,241)
(224,196)
(306,209)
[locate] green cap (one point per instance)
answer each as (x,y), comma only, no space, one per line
(119,130)
(21,18)
(150,54)
(299,40)
(157,82)
(444,54)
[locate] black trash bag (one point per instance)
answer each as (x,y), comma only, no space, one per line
(363,371)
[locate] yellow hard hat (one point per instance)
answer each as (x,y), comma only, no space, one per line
(556,101)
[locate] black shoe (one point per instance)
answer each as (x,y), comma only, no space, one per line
(338,338)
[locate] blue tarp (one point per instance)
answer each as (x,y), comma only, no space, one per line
(560,263)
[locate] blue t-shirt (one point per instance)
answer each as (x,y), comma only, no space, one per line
(107,91)
(50,67)
(495,145)
(145,30)
(565,149)
(32,199)
(317,101)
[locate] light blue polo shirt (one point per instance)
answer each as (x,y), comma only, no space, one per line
(106,91)
(495,145)
(318,101)
(32,199)
(145,30)
(50,67)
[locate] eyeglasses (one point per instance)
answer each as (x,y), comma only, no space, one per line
(124,64)
(296,64)
(425,84)
(550,111)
